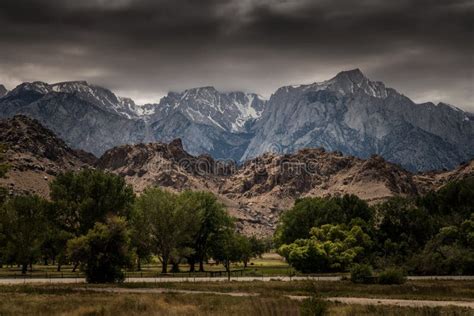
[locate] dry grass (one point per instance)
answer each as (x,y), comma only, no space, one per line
(81,304)
(430,290)
(66,300)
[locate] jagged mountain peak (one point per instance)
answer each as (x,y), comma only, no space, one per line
(3,90)
(355,75)
(344,83)
(228,111)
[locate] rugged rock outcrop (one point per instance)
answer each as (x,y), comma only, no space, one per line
(3,90)
(258,191)
(35,156)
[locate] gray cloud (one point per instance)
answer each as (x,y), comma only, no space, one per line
(141,48)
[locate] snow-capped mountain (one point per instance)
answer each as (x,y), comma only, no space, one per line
(96,95)
(360,117)
(228,111)
(85,116)
(208,121)
(348,113)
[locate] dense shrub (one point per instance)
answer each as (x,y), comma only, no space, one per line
(361,273)
(392,276)
(104,251)
(330,248)
(314,306)
(310,212)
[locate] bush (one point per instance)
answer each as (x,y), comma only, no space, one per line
(361,273)
(314,306)
(103,252)
(392,276)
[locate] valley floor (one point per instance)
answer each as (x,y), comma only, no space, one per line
(440,297)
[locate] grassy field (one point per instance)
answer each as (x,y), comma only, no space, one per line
(272,299)
(269,265)
(421,290)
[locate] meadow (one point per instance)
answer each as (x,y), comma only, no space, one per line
(268,298)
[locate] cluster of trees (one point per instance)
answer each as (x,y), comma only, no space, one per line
(94,221)
(431,234)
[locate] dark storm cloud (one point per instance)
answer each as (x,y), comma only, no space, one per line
(144,48)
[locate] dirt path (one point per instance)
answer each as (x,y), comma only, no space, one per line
(395,302)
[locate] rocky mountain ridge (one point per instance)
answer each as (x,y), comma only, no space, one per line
(348,113)
(255,193)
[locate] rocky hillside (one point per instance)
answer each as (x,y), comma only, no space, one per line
(35,155)
(86,117)
(258,191)
(255,193)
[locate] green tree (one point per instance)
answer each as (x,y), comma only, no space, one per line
(169,225)
(451,251)
(141,239)
(104,251)
(208,217)
(313,212)
(452,204)
(227,247)
(23,227)
(403,230)
(81,199)
(330,248)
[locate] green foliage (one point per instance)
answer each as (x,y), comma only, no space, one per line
(207,218)
(104,251)
(330,248)
(168,224)
(361,273)
(314,306)
(451,251)
(227,247)
(313,212)
(22,229)
(451,204)
(404,228)
(81,199)
(392,276)
(433,234)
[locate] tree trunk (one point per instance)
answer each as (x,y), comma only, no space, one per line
(227,268)
(164,267)
(59,267)
(245,263)
(24,268)
(201,265)
(139,264)
(75,267)
(175,267)
(192,265)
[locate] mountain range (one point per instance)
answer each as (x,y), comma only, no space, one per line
(348,113)
(255,192)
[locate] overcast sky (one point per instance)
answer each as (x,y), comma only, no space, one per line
(145,48)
